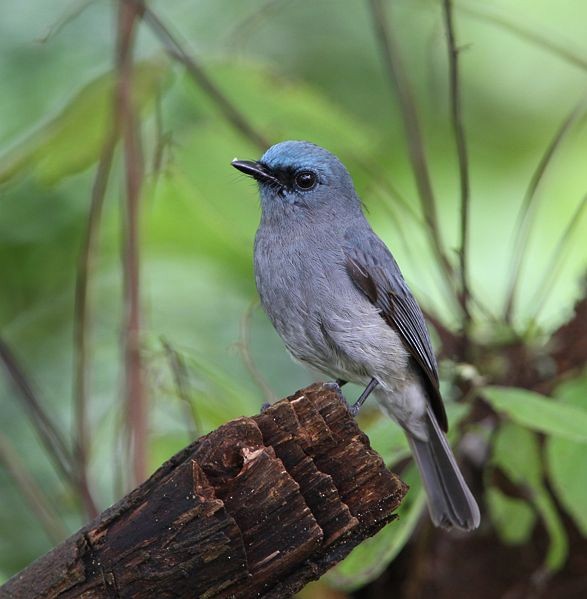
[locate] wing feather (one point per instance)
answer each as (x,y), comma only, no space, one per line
(375,273)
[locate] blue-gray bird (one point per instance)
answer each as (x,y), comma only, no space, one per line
(337,298)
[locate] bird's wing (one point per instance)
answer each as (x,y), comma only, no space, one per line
(374,271)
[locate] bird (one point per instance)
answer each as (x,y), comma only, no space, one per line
(337,298)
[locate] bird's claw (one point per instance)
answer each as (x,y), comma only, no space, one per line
(353,410)
(335,386)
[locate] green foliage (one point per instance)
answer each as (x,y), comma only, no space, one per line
(513,519)
(516,453)
(388,441)
(539,413)
(369,560)
(566,463)
(308,73)
(73,140)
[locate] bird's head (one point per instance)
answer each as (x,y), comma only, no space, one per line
(299,180)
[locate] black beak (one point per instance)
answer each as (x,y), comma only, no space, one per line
(257,170)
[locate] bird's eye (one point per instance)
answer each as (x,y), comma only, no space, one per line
(305,180)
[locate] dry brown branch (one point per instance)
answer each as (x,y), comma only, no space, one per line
(81,321)
(129,13)
(257,508)
(177,51)
(416,150)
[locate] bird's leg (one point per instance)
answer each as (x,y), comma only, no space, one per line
(354,409)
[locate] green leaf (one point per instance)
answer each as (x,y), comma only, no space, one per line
(517,453)
(558,547)
(367,561)
(539,412)
(387,439)
(73,140)
(513,518)
(566,464)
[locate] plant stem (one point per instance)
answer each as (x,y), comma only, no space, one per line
(129,13)
(398,78)
(461,146)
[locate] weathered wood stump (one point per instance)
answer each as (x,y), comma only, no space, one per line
(257,508)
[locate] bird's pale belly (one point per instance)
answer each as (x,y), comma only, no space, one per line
(351,344)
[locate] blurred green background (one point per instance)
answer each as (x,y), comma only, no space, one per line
(296,70)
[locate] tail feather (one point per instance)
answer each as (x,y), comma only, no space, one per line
(450,501)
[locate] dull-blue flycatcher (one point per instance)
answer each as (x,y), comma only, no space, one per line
(338,300)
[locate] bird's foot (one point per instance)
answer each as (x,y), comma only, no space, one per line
(354,408)
(335,386)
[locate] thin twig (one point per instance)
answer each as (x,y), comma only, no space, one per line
(70,14)
(180,378)
(177,51)
(552,271)
(417,153)
(81,323)
(525,33)
(376,178)
(387,191)
(461,145)
(50,436)
(244,347)
(528,207)
(31,492)
(246,27)
(129,13)
(161,137)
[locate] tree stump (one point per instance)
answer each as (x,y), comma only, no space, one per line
(257,508)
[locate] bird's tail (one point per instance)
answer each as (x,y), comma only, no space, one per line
(450,501)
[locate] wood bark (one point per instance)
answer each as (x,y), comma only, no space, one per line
(256,508)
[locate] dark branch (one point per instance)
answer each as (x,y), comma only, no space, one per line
(176,50)
(417,153)
(461,145)
(257,508)
(129,13)
(81,321)
(50,436)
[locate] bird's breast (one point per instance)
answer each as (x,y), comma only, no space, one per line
(291,273)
